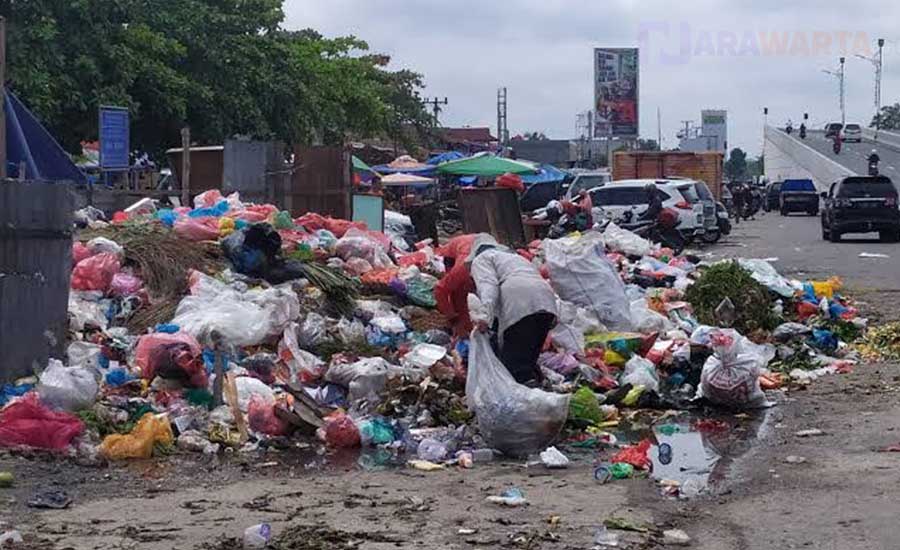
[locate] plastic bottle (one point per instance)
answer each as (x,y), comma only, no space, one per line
(602,537)
(257,536)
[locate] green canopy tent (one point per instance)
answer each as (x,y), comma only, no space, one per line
(360,166)
(487,166)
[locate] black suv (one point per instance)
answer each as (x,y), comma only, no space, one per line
(861,204)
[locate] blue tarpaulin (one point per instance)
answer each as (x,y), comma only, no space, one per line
(548,174)
(29,142)
(446,157)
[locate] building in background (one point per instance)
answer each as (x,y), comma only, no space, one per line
(712,135)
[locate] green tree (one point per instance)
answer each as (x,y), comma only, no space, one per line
(223,67)
(888,118)
(736,165)
(646,145)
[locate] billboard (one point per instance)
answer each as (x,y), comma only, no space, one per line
(114,134)
(616,92)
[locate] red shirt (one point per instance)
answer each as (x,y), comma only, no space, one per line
(451,294)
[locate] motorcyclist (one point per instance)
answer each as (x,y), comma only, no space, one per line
(789,127)
(837,143)
(873,159)
(802,130)
(654,203)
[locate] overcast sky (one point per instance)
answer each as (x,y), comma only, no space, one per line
(696,54)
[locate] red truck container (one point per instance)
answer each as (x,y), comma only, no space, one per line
(706,166)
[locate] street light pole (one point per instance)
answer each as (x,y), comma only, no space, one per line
(839,74)
(877,61)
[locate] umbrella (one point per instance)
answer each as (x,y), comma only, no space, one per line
(405,179)
(405,164)
(360,166)
(486,165)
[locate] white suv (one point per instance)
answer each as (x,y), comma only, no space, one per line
(618,197)
(852,132)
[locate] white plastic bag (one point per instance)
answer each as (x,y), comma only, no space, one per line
(351,332)
(84,354)
(247,387)
(365,378)
(86,313)
(626,242)
(313,331)
(512,418)
(646,320)
(302,364)
(766,275)
(640,372)
(580,273)
(730,376)
(67,388)
(573,324)
(423,356)
(100,245)
(389,324)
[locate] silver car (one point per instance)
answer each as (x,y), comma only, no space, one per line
(853,132)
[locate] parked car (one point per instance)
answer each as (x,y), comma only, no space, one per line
(537,195)
(772,196)
(799,195)
(586,181)
(619,197)
(833,129)
(861,204)
(710,219)
(853,132)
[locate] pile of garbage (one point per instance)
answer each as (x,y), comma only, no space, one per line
(235,326)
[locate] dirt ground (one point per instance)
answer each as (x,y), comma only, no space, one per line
(842,496)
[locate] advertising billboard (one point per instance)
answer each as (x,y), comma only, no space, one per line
(114,133)
(615,92)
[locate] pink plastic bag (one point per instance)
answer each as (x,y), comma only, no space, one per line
(125,284)
(261,415)
(198,229)
(636,455)
(207,198)
(174,356)
(96,272)
(341,431)
(28,423)
(340,227)
(79,252)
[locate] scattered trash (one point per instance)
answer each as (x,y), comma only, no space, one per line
(425,466)
(602,537)
(872,255)
(794,459)
(512,497)
(553,459)
(6,479)
(257,536)
(676,537)
(53,500)
(623,524)
(8,538)
(812,432)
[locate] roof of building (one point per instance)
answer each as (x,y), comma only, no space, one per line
(468,134)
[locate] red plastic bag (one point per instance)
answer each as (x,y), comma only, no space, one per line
(198,229)
(311,221)
(261,415)
(28,423)
(125,284)
(510,181)
(636,455)
(79,252)
(339,227)
(457,247)
(418,259)
(96,272)
(176,356)
(341,431)
(805,310)
(379,277)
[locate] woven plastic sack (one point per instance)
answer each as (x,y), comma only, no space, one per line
(512,418)
(730,377)
(30,423)
(150,430)
(95,272)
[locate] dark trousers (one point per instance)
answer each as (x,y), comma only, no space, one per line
(522,344)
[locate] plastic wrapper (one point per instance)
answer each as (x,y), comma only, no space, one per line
(95,272)
(626,242)
(150,430)
(198,229)
(513,418)
(304,366)
(173,356)
(67,388)
(580,273)
(786,332)
(125,284)
(102,245)
(261,417)
(30,423)
(730,377)
(640,372)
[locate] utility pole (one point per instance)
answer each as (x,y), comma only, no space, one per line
(502,122)
(436,107)
(186,166)
(877,60)
(2,97)
(658,128)
(839,74)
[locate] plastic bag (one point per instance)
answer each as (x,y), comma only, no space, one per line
(580,273)
(584,408)
(84,354)
(95,272)
(513,418)
(102,245)
(249,388)
(626,242)
(351,332)
(198,229)
(84,314)
(304,366)
(786,332)
(357,243)
(261,417)
(636,455)
(640,372)
(376,431)
(207,199)
(125,284)
(174,356)
(730,377)
(646,320)
(358,266)
(313,331)
(389,324)
(79,252)
(766,275)
(29,423)
(150,430)
(365,378)
(67,388)
(341,432)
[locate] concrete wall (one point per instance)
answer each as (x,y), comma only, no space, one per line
(787,157)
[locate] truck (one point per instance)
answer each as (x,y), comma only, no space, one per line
(705,167)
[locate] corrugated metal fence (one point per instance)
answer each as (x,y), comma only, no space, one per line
(35,265)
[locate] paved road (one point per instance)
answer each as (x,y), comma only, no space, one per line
(797,242)
(854,155)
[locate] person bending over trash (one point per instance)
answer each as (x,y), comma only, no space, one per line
(515,301)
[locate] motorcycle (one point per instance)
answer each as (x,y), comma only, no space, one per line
(836,147)
(873,168)
(722,219)
(802,132)
(788,129)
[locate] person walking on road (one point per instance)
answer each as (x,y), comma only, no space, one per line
(738,194)
(514,300)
